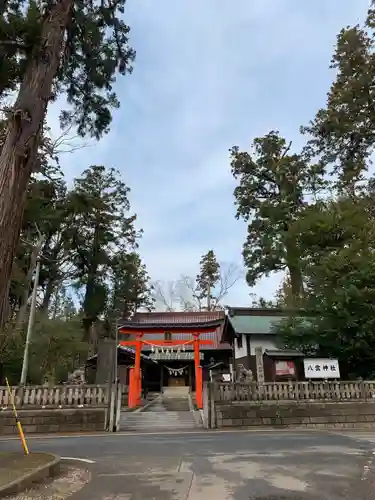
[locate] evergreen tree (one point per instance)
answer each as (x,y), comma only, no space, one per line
(340,290)
(208,277)
(343,133)
(101,223)
(48,49)
(284,296)
(270,196)
(130,287)
(62,305)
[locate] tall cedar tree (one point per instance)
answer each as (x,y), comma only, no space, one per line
(208,277)
(343,133)
(101,224)
(130,286)
(70,47)
(270,197)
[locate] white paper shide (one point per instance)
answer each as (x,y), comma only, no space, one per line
(321,368)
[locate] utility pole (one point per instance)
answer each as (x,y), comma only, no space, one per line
(116,353)
(30,324)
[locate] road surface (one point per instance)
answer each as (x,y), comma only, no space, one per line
(272,465)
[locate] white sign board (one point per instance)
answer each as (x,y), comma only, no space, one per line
(321,368)
(183,356)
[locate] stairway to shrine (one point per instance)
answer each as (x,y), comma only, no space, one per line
(169,413)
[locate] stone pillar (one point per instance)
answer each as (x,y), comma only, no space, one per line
(106,361)
(259,365)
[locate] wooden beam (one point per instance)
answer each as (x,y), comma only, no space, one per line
(164,343)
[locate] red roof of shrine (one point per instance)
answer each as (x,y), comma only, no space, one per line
(183,321)
(178,317)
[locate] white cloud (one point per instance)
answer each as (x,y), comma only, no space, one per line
(210,74)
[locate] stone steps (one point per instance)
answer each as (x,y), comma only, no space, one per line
(160,417)
(174,404)
(149,421)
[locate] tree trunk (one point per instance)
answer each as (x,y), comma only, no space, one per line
(50,288)
(22,138)
(294,268)
(296,285)
(89,312)
(54,279)
(21,316)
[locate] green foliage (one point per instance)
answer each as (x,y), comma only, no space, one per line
(325,243)
(89,250)
(62,305)
(262,303)
(130,287)
(70,48)
(95,49)
(46,213)
(101,223)
(55,350)
(342,134)
(339,281)
(271,197)
(208,278)
(341,307)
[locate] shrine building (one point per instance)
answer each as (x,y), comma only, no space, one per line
(182,344)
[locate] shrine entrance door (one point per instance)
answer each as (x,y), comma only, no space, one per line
(176,382)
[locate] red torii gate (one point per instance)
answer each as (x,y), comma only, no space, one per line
(135,379)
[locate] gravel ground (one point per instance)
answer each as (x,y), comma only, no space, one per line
(70,480)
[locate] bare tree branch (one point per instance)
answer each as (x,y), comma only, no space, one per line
(230,273)
(187,294)
(183,294)
(165,295)
(65,142)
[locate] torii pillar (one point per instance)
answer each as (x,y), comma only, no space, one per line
(198,372)
(135,380)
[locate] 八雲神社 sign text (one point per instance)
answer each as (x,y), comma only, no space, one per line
(321,368)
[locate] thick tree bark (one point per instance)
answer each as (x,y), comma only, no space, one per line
(294,268)
(22,138)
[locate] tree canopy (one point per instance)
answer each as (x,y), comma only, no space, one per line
(309,211)
(70,48)
(312,214)
(270,196)
(91,272)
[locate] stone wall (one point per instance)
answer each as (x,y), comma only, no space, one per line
(296,414)
(50,421)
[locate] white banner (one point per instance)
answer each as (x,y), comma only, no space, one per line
(321,368)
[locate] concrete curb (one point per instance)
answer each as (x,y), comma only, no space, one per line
(47,470)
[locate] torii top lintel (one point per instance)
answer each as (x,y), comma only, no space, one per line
(181,328)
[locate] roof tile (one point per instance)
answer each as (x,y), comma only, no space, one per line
(179,318)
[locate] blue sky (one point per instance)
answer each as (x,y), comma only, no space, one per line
(210,74)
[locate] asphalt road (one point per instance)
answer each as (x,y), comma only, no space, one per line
(242,465)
